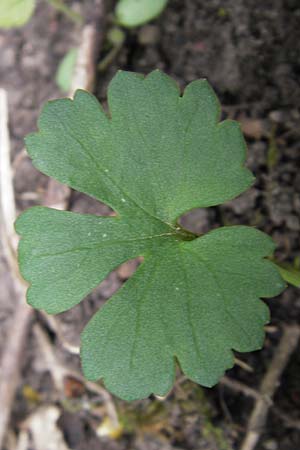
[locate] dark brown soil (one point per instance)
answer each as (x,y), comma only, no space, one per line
(249,51)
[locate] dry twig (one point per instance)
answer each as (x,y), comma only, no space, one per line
(270,383)
(237,386)
(11,358)
(60,373)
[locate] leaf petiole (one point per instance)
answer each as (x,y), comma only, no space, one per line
(70,13)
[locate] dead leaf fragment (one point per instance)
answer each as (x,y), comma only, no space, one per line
(42,426)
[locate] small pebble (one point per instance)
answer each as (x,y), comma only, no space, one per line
(277,116)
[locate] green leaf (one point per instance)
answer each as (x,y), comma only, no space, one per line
(65,70)
(156,156)
(289,273)
(15,13)
(133,13)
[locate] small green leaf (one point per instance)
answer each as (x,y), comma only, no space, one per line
(15,13)
(65,70)
(289,273)
(155,156)
(133,13)
(115,37)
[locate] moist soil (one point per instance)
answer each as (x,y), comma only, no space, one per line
(249,52)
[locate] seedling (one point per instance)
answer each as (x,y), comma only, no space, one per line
(65,70)
(16,13)
(133,13)
(155,156)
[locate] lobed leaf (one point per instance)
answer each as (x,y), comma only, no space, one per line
(155,156)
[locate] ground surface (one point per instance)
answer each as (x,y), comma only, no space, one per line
(249,51)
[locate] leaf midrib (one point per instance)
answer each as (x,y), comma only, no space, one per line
(105,243)
(106,176)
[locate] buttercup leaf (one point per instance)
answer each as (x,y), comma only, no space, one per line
(155,156)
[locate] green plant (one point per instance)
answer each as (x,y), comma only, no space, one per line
(65,70)
(16,13)
(133,13)
(156,156)
(290,273)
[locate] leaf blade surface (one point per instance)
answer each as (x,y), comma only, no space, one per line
(190,312)
(15,13)
(156,155)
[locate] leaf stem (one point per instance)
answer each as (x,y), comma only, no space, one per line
(184,234)
(70,13)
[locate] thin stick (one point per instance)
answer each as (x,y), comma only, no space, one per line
(60,372)
(270,383)
(239,387)
(84,72)
(243,365)
(7,203)
(11,358)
